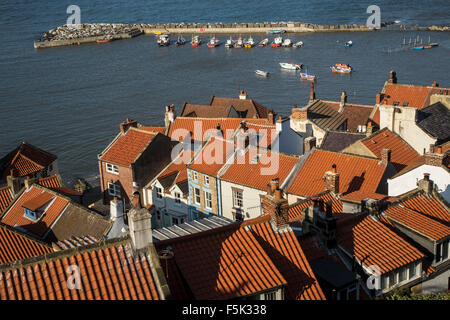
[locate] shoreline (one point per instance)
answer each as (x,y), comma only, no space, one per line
(88,33)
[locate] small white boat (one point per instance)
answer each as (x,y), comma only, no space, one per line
(239,43)
(290,65)
(287,43)
(306,76)
(263,43)
(262,73)
(298,44)
(229,43)
(277,42)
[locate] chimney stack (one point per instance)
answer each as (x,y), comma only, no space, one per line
(124,126)
(435,157)
(435,84)
(312,94)
(116,209)
(276,206)
(332,180)
(300,114)
(13,182)
(392,77)
(426,184)
(279,124)
(241,139)
(140,227)
(369,129)
(379,98)
(270,118)
(343,101)
(385,156)
(309,144)
(29,182)
(243,95)
(169,116)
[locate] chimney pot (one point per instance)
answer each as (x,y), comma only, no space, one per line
(426,176)
(274,184)
(439,150)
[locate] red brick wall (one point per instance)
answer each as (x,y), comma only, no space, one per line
(124,178)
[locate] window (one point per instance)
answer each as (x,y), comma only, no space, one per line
(402,274)
(177,197)
(412,271)
(194,175)
(384,282)
(237,198)
(174,221)
(207,180)
(208,200)
(392,279)
(158,215)
(113,189)
(445,250)
(196,195)
(159,192)
(112,168)
(438,252)
(270,295)
(30,214)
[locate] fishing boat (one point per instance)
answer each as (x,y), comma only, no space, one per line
(262,73)
(239,43)
(163,40)
(213,42)
(290,65)
(298,44)
(341,68)
(418,48)
(196,41)
(307,77)
(278,31)
(229,43)
(263,43)
(250,43)
(277,42)
(106,39)
(180,41)
(287,43)
(348,43)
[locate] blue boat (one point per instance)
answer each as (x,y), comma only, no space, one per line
(276,31)
(418,48)
(348,43)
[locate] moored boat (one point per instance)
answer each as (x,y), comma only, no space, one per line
(180,41)
(163,40)
(348,43)
(290,65)
(213,42)
(106,39)
(298,44)
(277,42)
(308,77)
(263,43)
(239,43)
(250,43)
(418,48)
(229,43)
(262,73)
(341,68)
(287,43)
(277,31)
(195,42)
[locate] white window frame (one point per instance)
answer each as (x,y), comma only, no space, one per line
(177,197)
(112,168)
(115,190)
(237,199)
(195,196)
(208,202)
(206,180)
(194,175)
(271,295)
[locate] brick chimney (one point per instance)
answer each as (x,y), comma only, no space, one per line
(435,84)
(270,118)
(140,226)
(300,114)
(243,95)
(379,98)
(426,184)
(385,156)
(369,129)
(124,126)
(309,143)
(343,101)
(312,94)
(13,182)
(392,77)
(276,206)
(435,158)
(332,180)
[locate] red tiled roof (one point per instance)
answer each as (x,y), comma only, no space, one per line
(359,195)
(242,259)
(16,214)
(295,211)
(376,244)
(154,129)
(205,111)
(213,156)
(5,198)
(26,160)
(127,147)
(14,246)
(313,250)
(428,205)
(376,117)
(356,173)
(356,114)
(54,183)
(253,108)
(415,96)
(401,152)
(38,201)
(247,171)
(106,273)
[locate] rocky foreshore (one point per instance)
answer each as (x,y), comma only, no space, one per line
(438,28)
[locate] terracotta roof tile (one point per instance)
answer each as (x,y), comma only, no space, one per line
(356,114)
(54,183)
(375,243)
(107,273)
(249,106)
(401,152)
(296,209)
(356,173)
(126,148)
(15,246)
(212,156)
(256,168)
(5,198)
(414,96)
(154,129)
(428,205)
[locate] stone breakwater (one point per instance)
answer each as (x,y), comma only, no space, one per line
(63,35)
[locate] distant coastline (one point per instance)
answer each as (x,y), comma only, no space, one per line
(63,36)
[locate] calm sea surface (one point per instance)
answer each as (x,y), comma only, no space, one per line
(70,100)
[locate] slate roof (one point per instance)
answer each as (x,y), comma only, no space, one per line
(324,116)
(339,140)
(435,120)
(108,271)
(242,259)
(356,114)
(25,160)
(249,107)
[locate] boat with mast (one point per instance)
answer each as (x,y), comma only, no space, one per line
(250,43)
(239,43)
(196,41)
(229,43)
(263,42)
(163,40)
(277,42)
(213,42)
(180,41)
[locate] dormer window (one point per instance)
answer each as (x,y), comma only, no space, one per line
(396,103)
(31,214)
(405,104)
(35,207)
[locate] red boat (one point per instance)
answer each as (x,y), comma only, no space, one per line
(213,42)
(277,42)
(196,41)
